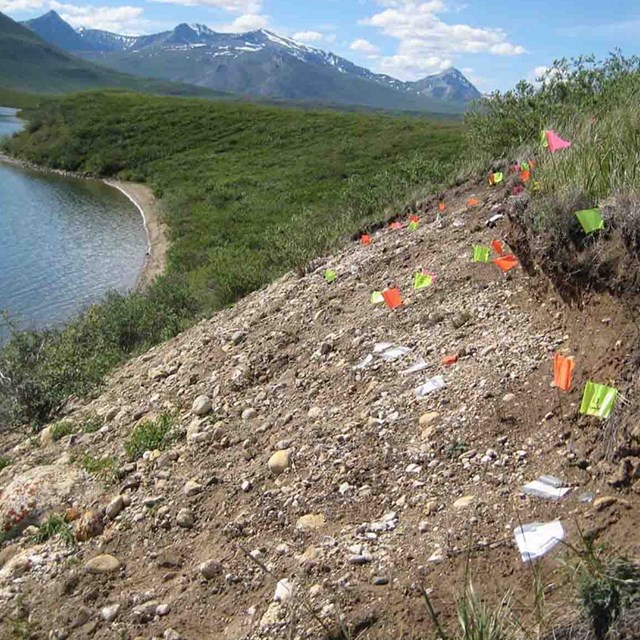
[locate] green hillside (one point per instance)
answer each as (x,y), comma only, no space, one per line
(29,64)
(249,192)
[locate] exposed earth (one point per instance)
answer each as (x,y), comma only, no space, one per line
(289,463)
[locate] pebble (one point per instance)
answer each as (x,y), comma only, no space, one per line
(171,634)
(279,461)
(427,419)
(249,414)
(104,563)
(465,501)
(509,397)
(359,559)
(185,518)
(192,488)
(201,406)
(311,522)
(314,413)
(423,526)
(246,486)
(114,507)
(284,591)
(380,581)
(110,612)
(210,569)
(162,609)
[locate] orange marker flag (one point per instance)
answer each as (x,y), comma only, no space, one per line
(506,263)
(563,371)
(392,298)
(442,206)
(525,176)
(473,202)
(365,239)
(396,225)
(496,245)
(449,360)
(414,218)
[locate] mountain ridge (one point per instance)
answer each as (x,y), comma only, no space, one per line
(258,62)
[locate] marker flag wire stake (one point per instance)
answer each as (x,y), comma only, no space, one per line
(330,275)
(473,202)
(480,253)
(536,539)
(392,298)
(598,400)
(506,263)
(590,219)
(496,178)
(496,245)
(377,297)
(422,280)
(555,142)
(563,371)
(366,239)
(434,384)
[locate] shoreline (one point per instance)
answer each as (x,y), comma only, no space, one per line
(143,199)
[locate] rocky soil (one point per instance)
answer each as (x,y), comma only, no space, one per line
(305,490)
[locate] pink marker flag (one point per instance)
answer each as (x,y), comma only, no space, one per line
(556,142)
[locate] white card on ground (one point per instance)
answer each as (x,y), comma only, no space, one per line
(544,490)
(429,386)
(536,539)
(414,368)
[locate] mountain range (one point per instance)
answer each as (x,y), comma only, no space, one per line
(29,64)
(259,63)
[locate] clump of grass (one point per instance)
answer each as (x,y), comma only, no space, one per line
(150,435)
(92,424)
(476,619)
(5,462)
(54,525)
(104,468)
(456,449)
(61,429)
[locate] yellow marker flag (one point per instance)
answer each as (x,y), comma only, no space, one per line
(376,297)
(422,280)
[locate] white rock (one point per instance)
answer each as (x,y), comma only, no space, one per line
(284,591)
(201,405)
(110,613)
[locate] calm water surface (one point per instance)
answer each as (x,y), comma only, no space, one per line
(64,242)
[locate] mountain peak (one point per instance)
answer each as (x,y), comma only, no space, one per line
(449,84)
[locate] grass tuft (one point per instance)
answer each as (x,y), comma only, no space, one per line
(150,435)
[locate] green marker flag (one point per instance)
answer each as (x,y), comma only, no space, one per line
(590,219)
(422,281)
(543,139)
(413,226)
(598,400)
(330,275)
(480,253)
(376,297)
(525,166)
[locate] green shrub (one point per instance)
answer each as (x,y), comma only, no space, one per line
(606,593)
(5,462)
(54,525)
(61,429)
(150,435)
(105,468)
(92,424)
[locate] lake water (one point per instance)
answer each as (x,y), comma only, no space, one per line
(64,242)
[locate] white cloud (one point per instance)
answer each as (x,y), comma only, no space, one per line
(247,22)
(244,7)
(426,43)
(122,19)
(308,36)
(364,46)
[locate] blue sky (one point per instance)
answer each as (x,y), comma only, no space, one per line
(495,42)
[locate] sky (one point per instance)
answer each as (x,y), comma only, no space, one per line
(494,42)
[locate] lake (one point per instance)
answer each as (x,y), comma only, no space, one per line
(64,242)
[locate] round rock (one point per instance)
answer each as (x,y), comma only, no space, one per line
(104,563)
(279,461)
(201,406)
